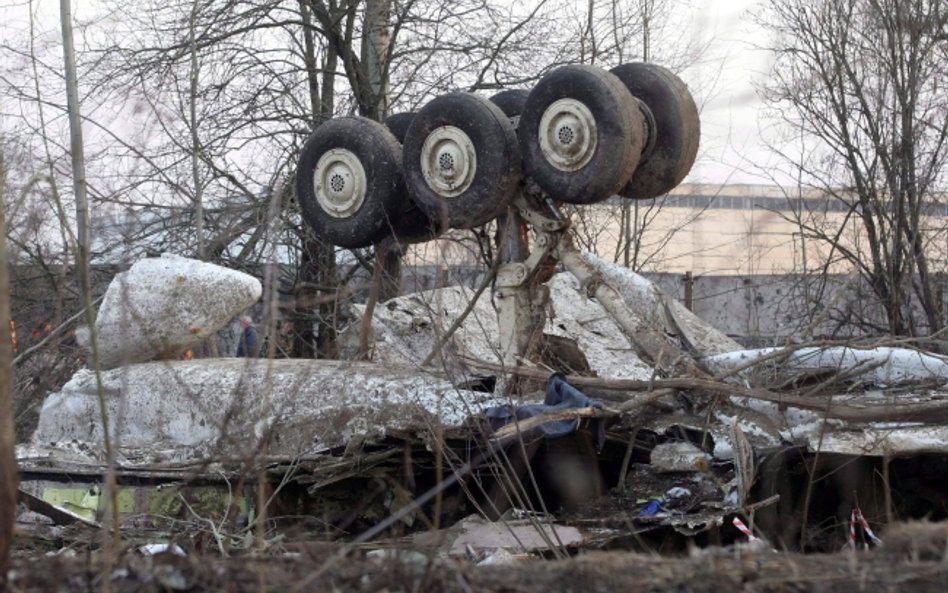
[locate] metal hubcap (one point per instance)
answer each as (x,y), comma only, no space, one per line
(448,161)
(340,183)
(568,135)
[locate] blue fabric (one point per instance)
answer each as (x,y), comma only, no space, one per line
(560,395)
(652,508)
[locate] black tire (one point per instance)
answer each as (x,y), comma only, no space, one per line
(449,186)
(414,226)
(362,217)
(411,225)
(398,123)
(676,132)
(583,167)
(511,102)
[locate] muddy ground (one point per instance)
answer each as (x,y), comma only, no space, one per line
(913,559)
(644,492)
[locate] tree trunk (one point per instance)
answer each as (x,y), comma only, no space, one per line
(315,331)
(76,149)
(8,470)
(193,79)
(374,58)
(388,255)
(374,105)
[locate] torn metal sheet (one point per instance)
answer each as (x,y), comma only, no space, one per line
(406,329)
(58,513)
(512,535)
(162,306)
(660,312)
(215,408)
(695,523)
(812,430)
(68,501)
(881,366)
(599,337)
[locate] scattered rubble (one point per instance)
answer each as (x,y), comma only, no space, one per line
(785,446)
(679,457)
(912,560)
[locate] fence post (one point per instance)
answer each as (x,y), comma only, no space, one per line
(689,281)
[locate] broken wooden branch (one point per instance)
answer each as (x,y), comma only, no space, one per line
(841,376)
(331,473)
(750,508)
(778,356)
(518,427)
(885,411)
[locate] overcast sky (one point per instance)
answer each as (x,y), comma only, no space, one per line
(732,150)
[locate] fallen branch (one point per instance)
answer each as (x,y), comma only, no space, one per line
(843,375)
(750,508)
(779,355)
(518,427)
(331,473)
(887,411)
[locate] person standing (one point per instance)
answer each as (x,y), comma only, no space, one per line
(248,346)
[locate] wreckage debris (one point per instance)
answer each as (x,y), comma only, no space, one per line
(679,457)
(162,306)
(879,366)
(679,466)
(191,409)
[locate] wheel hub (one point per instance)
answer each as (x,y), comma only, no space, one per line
(568,135)
(340,183)
(448,161)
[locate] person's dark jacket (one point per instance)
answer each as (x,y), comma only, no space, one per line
(247,346)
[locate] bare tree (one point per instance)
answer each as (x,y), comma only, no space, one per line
(199,111)
(77,152)
(615,32)
(337,50)
(861,82)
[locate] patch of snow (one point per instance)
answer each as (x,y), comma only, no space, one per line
(885,366)
(883,441)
